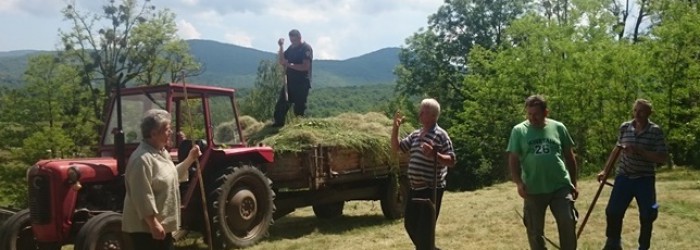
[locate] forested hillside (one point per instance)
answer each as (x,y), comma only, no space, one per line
(331,101)
(233,66)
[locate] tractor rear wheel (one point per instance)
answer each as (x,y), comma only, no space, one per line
(329,210)
(395,197)
(241,208)
(102,232)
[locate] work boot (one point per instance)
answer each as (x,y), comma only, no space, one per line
(612,244)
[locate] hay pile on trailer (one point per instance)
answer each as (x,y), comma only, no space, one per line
(367,133)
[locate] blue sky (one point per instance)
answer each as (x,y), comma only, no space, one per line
(337,29)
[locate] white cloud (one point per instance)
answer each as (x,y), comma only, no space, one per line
(187,31)
(300,15)
(324,48)
(240,39)
(8,5)
(336,29)
(190,2)
(208,17)
(38,8)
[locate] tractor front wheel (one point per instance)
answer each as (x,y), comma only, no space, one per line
(242,208)
(16,233)
(102,232)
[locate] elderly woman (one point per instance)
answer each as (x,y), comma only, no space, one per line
(152,201)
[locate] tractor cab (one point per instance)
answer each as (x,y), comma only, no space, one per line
(203,114)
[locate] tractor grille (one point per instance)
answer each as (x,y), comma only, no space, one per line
(39,199)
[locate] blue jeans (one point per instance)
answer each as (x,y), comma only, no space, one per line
(644,191)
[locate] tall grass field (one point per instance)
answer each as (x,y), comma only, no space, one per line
(488,219)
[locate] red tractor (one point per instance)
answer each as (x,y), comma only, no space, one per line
(78,201)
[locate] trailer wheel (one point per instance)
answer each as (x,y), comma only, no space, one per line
(102,232)
(16,233)
(395,197)
(242,208)
(329,210)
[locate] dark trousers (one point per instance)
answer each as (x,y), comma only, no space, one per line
(561,204)
(144,241)
(297,93)
(417,217)
(644,191)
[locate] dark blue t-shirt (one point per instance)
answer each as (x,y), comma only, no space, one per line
(296,55)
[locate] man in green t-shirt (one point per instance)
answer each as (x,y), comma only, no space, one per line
(542,165)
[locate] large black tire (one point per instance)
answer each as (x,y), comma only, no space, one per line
(395,197)
(241,208)
(102,232)
(329,210)
(16,233)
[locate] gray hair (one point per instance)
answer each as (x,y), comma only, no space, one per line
(154,119)
(432,105)
(643,102)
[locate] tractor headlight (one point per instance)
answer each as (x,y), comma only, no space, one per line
(73,175)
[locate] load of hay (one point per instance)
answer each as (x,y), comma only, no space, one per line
(368,134)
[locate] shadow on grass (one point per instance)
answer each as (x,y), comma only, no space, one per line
(297,227)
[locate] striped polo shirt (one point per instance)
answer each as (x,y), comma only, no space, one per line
(650,139)
(421,171)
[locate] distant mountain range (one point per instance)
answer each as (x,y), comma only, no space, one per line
(235,66)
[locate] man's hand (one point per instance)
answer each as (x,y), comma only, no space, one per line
(574,193)
(600,176)
(398,119)
(427,149)
(629,149)
(280,42)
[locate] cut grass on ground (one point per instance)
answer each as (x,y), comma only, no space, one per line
(487,219)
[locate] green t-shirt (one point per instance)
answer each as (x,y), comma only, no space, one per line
(540,152)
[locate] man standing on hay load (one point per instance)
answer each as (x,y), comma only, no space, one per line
(542,165)
(422,145)
(296,61)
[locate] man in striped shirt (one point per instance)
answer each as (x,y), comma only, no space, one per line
(426,145)
(644,148)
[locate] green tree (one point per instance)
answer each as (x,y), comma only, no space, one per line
(129,41)
(260,102)
(676,83)
(49,111)
(435,60)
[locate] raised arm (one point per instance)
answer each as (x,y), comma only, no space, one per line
(398,119)
(280,53)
